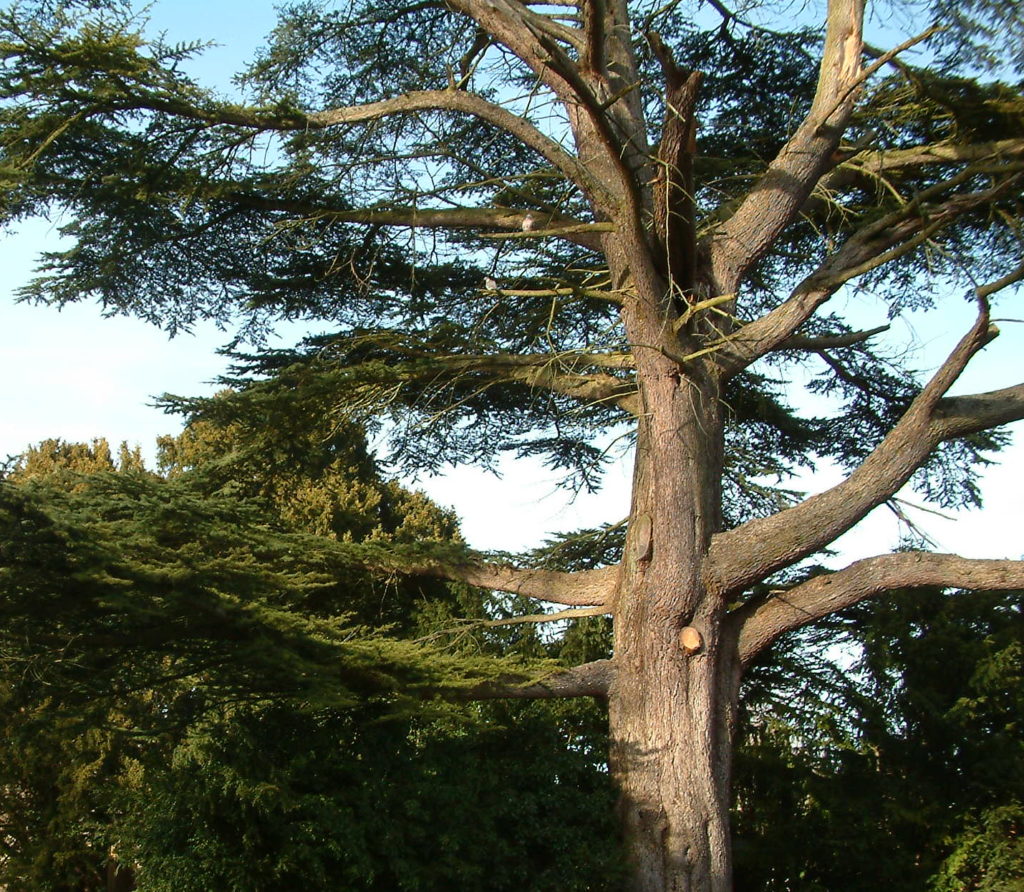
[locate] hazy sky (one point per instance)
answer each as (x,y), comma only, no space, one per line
(75,375)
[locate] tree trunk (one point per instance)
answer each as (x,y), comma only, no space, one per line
(672,702)
(670,758)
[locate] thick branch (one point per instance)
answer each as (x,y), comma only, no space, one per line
(876,244)
(550,372)
(960,416)
(593,57)
(674,207)
(555,374)
(430,218)
(589,389)
(515,26)
(827,594)
(754,550)
(585,588)
(599,111)
(778,196)
(588,680)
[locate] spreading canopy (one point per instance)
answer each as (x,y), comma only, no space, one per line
(545,228)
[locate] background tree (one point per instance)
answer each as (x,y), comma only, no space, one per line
(172,711)
(902,772)
(501,211)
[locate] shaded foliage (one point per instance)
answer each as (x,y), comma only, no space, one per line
(907,775)
(204,674)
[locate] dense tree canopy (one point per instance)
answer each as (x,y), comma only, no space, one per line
(902,774)
(547,228)
(220,711)
(907,773)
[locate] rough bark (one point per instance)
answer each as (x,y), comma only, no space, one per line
(670,707)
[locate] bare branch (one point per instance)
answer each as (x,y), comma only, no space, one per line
(588,680)
(776,199)
(619,360)
(984,292)
(585,588)
(826,594)
(830,342)
(887,57)
(757,548)
(601,120)
(959,416)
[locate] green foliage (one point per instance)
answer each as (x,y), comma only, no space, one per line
(240,607)
(186,205)
(220,687)
(321,481)
(264,797)
(906,776)
(989,854)
(54,457)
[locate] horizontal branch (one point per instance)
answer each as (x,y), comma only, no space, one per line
(887,161)
(823,595)
(588,680)
(511,219)
(584,588)
(556,617)
(595,293)
(830,342)
(551,373)
(568,360)
(960,416)
(556,373)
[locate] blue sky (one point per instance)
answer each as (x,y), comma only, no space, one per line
(75,375)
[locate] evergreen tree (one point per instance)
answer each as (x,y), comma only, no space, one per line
(213,749)
(905,773)
(57,457)
(531,228)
